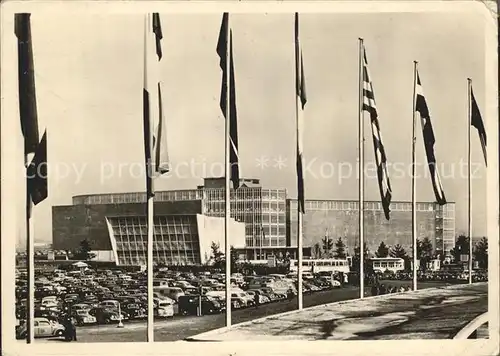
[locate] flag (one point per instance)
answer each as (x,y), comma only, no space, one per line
(222,51)
(300,91)
(26,78)
(477,121)
(429,141)
(380,156)
(37,174)
(155,134)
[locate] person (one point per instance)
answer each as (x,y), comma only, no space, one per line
(374,289)
(382,289)
(256,299)
(73,329)
(68,333)
(289,295)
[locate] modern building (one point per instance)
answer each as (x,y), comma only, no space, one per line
(268,216)
(341,219)
(177,239)
(262,210)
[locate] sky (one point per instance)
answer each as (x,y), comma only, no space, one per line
(89,96)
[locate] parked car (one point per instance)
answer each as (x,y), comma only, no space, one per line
(107,315)
(163,309)
(83,317)
(188,305)
(42,328)
(135,311)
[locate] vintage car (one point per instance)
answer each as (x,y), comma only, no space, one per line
(42,328)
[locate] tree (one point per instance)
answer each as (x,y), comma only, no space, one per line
(424,252)
(234,259)
(383,250)
(316,250)
(397,251)
(481,253)
(340,249)
(327,246)
(461,248)
(217,256)
(356,260)
(84,251)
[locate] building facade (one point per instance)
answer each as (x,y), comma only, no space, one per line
(341,219)
(262,210)
(268,216)
(177,239)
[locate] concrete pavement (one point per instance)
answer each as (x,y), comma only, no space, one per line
(435,313)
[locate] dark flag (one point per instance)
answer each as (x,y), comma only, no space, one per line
(37,174)
(26,77)
(429,141)
(380,156)
(477,121)
(222,51)
(300,90)
(155,134)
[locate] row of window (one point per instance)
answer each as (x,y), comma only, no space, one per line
(334,263)
(157,245)
(158,230)
(388,265)
(171,220)
(266,242)
(246,194)
(352,205)
(167,260)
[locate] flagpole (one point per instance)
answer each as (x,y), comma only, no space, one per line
(227,178)
(150,213)
(413,181)
(469,186)
(298,65)
(150,268)
(361,174)
(30,264)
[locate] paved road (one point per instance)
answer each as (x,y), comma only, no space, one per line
(182,327)
(437,313)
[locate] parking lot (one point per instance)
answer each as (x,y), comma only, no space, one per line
(98,299)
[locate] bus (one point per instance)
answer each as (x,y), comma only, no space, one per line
(382,264)
(322,265)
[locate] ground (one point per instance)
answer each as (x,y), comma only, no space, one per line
(437,313)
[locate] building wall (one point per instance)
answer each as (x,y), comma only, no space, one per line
(340,219)
(211,229)
(74,223)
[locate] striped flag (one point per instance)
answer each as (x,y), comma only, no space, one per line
(477,121)
(225,52)
(300,91)
(26,77)
(155,133)
(37,174)
(380,156)
(429,141)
